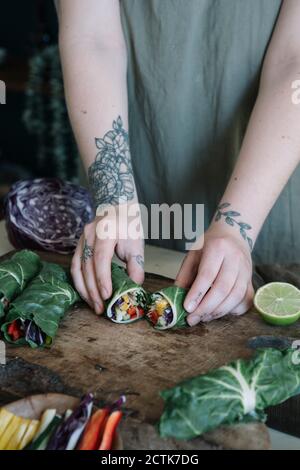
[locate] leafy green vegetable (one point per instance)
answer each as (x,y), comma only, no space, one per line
(15,274)
(236,392)
(174,317)
(41,306)
(121,285)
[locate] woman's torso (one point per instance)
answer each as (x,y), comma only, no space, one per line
(194,67)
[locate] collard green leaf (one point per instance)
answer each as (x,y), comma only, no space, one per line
(241,390)
(121,284)
(175,296)
(44,301)
(15,274)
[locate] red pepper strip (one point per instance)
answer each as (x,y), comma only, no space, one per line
(110,430)
(153,317)
(94,430)
(141,311)
(131,312)
(14,330)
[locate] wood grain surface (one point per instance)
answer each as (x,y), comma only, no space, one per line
(91,353)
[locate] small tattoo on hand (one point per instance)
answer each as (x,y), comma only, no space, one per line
(87,252)
(140,260)
(230,220)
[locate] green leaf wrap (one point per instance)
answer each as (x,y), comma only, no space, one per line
(15,274)
(121,285)
(175,296)
(230,394)
(45,301)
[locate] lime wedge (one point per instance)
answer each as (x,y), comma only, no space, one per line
(278,303)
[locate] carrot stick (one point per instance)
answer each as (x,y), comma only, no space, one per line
(94,430)
(110,430)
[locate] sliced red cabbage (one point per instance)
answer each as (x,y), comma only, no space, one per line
(68,433)
(47,214)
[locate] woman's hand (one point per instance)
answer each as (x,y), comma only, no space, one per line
(91,264)
(219,277)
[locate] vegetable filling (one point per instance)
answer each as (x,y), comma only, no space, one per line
(4,301)
(29,330)
(160,312)
(129,307)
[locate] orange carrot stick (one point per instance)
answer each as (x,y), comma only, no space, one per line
(94,430)
(110,430)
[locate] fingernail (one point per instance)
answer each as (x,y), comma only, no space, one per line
(191,306)
(104,293)
(193,320)
(97,308)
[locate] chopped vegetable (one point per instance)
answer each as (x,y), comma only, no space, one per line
(110,430)
(46,419)
(129,300)
(15,274)
(29,434)
(166,308)
(239,391)
(18,435)
(35,315)
(47,214)
(10,430)
(94,430)
(93,433)
(69,431)
(40,442)
(5,418)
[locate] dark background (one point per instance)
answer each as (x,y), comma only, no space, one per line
(26,27)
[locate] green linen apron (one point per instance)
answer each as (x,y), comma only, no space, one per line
(194,67)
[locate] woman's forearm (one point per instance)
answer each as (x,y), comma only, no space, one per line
(96,93)
(269,154)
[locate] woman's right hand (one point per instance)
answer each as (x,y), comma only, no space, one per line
(91,264)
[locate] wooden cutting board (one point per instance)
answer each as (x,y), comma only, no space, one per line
(91,353)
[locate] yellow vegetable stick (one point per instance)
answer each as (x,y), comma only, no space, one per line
(17,437)
(29,434)
(5,418)
(9,431)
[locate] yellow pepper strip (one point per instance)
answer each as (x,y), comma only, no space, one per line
(10,431)
(29,434)
(17,437)
(5,418)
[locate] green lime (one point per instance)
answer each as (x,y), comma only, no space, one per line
(278,303)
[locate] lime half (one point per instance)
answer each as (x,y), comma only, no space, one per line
(278,303)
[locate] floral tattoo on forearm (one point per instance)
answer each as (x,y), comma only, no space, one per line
(229,216)
(110,176)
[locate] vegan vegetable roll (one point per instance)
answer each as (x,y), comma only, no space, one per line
(15,274)
(129,300)
(34,316)
(166,308)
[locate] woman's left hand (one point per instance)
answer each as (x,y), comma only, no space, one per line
(219,277)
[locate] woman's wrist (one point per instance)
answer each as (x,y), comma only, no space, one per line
(229,222)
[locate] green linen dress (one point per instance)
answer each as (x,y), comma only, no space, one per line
(193,73)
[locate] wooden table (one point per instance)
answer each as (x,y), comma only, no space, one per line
(94,354)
